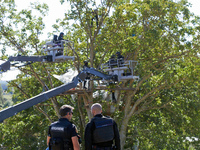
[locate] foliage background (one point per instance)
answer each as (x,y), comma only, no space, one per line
(163,36)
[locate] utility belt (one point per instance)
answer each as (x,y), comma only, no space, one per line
(59,144)
(94,147)
(50,148)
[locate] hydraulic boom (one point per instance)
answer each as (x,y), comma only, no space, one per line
(13,110)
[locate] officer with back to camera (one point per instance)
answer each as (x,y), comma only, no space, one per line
(62,134)
(101,131)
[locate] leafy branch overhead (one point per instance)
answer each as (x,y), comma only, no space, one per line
(157,112)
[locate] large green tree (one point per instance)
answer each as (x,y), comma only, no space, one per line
(20,31)
(161,35)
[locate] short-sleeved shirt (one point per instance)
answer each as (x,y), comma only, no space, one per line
(69,131)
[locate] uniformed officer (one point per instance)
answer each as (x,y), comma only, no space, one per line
(61,36)
(62,134)
(120,59)
(101,131)
(119,56)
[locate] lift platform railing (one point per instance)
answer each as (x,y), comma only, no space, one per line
(128,64)
(123,69)
(59,50)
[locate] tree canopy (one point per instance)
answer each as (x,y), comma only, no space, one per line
(162,35)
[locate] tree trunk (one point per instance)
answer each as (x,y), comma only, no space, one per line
(87,106)
(125,120)
(55,106)
(122,131)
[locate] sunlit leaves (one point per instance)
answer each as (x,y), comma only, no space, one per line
(159,34)
(20,29)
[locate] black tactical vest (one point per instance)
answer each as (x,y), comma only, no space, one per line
(59,139)
(103,131)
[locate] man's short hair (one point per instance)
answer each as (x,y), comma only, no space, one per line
(65,109)
(96,106)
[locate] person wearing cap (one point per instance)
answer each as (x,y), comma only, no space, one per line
(62,134)
(101,131)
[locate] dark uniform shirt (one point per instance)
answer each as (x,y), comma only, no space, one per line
(60,38)
(89,134)
(69,131)
(120,56)
(120,60)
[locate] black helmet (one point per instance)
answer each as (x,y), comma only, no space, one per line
(85,62)
(118,53)
(61,33)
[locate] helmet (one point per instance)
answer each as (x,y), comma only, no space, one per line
(118,53)
(85,62)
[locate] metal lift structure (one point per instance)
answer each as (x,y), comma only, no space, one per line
(115,74)
(58,51)
(13,110)
(123,69)
(117,71)
(54,53)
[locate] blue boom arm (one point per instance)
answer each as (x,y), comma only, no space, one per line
(13,110)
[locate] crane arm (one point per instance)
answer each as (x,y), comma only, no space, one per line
(99,74)
(13,110)
(6,65)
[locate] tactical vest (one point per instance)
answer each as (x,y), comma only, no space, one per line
(59,140)
(103,131)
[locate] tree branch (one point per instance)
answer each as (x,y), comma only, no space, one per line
(26,95)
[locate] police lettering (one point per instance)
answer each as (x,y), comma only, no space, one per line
(57,128)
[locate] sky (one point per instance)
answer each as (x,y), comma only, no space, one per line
(56,10)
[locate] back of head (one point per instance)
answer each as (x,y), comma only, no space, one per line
(97,108)
(65,109)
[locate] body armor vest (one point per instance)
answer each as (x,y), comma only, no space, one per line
(59,139)
(103,131)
